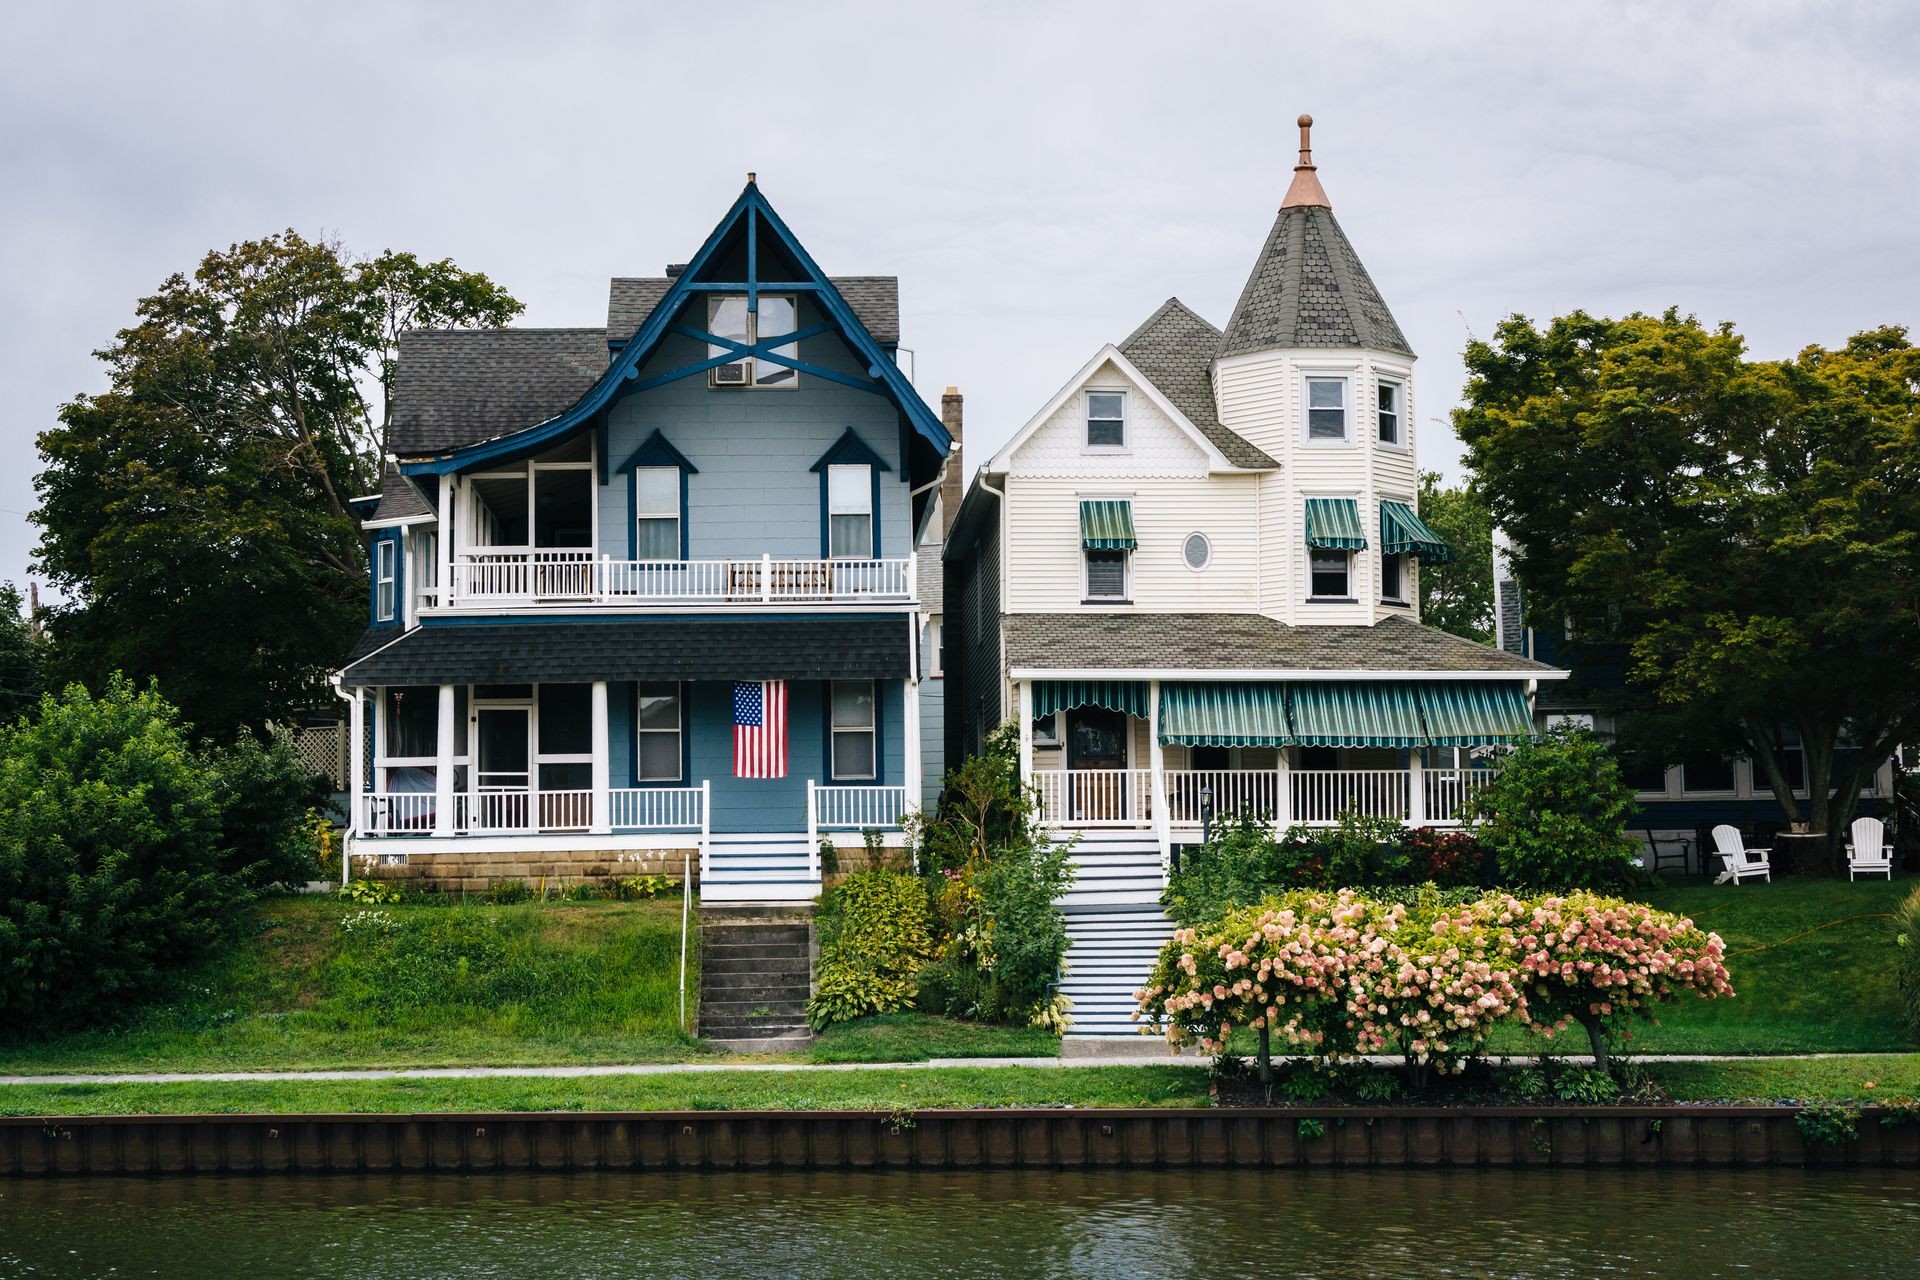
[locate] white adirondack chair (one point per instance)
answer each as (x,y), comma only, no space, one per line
(1868,853)
(1742,863)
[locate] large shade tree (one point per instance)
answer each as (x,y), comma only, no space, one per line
(1458,596)
(194,514)
(1745,533)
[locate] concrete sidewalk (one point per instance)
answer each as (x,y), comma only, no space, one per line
(1159,1058)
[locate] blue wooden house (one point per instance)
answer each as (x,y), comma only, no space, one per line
(649,590)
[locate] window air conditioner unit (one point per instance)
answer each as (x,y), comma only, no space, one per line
(730,375)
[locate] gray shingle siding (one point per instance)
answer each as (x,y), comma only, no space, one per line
(974,683)
(1513,637)
(1309,289)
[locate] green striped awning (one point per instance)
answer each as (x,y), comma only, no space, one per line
(1107,525)
(1475,713)
(1357,713)
(1224,715)
(1402,533)
(1129,696)
(1334,524)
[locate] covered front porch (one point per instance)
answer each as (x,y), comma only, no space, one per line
(1177,756)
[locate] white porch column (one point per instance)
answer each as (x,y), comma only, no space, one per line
(602,762)
(356,762)
(1283,787)
(911,747)
(1023,707)
(443,766)
(1417,787)
(443,593)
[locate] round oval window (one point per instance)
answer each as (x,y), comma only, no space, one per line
(1197,551)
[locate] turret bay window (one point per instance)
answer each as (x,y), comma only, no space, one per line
(661,729)
(1388,405)
(1331,572)
(1106,420)
(850,512)
(728,317)
(855,731)
(1326,410)
(657,533)
(1107,540)
(384,562)
(1333,534)
(1393,579)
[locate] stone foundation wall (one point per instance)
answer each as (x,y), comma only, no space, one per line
(465,872)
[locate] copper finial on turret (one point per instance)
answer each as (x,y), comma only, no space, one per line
(1306,188)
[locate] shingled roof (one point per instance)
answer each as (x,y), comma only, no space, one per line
(399,499)
(455,387)
(1230,642)
(875,301)
(1308,289)
(1174,347)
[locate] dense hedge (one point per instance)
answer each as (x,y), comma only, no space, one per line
(873,940)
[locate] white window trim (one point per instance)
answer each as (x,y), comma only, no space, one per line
(1405,598)
(753,382)
(1402,441)
(1346,378)
(1348,598)
(386,595)
(641,513)
(1733,771)
(871,729)
(1205,563)
(471,510)
(936,633)
(1086,420)
(678,732)
(1055,737)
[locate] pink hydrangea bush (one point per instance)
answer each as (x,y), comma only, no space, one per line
(1335,976)
(1581,958)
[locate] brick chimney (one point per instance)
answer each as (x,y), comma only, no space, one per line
(955,485)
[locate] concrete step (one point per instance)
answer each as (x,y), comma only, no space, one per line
(743,933)
(756,963)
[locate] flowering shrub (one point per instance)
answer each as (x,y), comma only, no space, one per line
(1450,859)
(1339,975)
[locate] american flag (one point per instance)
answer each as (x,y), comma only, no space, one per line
(760,729)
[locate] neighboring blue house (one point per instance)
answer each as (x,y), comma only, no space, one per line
(598,551)
(1680,800)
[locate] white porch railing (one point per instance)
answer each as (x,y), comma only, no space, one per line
(576,577)
(657,808)
(522,812)
(1096,797)
(1227,793)
(1447,789)
(1322,795)
(854,808)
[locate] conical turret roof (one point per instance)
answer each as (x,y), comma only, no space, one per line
(1308,287)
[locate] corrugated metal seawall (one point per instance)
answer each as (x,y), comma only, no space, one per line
(1382,1137)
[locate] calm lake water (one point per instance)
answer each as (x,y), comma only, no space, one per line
(917,1226)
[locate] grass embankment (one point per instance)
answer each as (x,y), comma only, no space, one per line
(316,983)
(1874,1079)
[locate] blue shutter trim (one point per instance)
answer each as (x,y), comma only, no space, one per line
(849,451)
(1333,524)
(887,377)
(1224,714)
(656,451)
(1403,533)
(1126,696)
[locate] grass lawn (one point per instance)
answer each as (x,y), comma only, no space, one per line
(878,1089)
(1812,971)
(320,983)
(912,1037)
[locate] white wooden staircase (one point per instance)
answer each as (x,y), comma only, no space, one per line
(1115,929)
(760,869)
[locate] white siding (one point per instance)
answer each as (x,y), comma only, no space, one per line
(1155,446)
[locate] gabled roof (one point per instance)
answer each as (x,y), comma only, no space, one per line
(453,387)
(1308,289)
(400,502)
(875,299)
(736,255)
(1174,348)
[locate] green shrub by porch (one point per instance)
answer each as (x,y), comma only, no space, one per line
(1555,816)
(873,940)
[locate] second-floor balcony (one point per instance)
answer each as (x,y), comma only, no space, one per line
(513,578)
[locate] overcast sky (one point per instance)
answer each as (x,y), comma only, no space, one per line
(1039,176)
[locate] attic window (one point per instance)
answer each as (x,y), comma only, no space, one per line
(1106,420)
(728,317)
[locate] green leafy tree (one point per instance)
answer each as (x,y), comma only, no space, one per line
(1458,596)
(1743,535)
(22,656)
(194,515)
(110,856)
(1555,815)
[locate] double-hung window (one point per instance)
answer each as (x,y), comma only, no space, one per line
(1106,420)
(661,725)
(383,578)
(854,728)
(657,513)
(1326,410)
(1330,572)
(1106,575)
(1388,405)
(1393,579)
(850,512)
